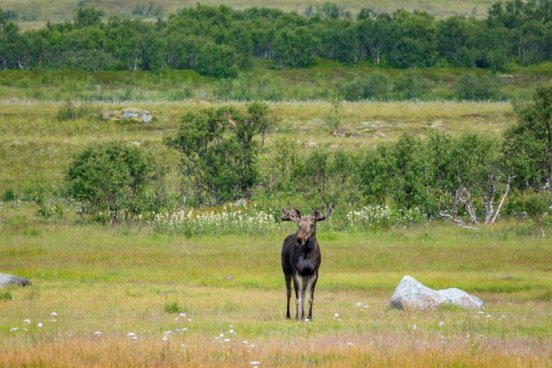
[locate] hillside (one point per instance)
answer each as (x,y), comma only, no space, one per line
(34,13)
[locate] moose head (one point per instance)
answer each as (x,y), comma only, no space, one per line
(306,224)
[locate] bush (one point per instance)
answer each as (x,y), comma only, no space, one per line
(111,179)
(219,151)
(478,88)
(217,61)
(332,119)
(173,308)
(409,85)
(68,111)
(373,87)
(9,195)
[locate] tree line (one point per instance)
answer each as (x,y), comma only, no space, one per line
(220,41)
(469,178)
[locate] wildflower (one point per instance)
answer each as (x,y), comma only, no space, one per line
(97,333)
(13,329)
(441,324)
(53,314)
(131,334)
(167,332)
(181,314)
(27,321)
(226,340)
(255,362)
(165,338)
(350,344)
(39,324)
(414,327)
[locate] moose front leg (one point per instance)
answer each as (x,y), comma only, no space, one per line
(288,293)
(313,281)
(296,283)
(304,285)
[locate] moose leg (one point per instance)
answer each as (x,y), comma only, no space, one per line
(311,293)
(296,284)
(304,285)
(288,293)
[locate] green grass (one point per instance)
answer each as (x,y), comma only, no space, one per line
(319,81)
(34,13)
(36,149)
(118,280)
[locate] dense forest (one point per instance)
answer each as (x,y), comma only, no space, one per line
(220,41)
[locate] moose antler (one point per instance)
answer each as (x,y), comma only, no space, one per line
(330,211)
(291,215)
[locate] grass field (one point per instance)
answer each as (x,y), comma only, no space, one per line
(34,13)
(36,148)
(129,279)
(106,282)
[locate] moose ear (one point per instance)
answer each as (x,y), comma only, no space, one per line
(291,215)
(317,216)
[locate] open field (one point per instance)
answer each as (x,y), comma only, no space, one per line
(128,279)
(36,148)
(319,82)
(34,13)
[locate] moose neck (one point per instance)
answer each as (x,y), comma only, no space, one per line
(309,244)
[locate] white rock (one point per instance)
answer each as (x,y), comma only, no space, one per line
(412,294)
(12,280)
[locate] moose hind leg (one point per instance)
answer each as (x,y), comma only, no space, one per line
(288,293)
(313,281)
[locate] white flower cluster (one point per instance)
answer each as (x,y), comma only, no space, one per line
(218,221)
(382,216)
(370,216)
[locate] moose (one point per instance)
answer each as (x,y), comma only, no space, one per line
(301,258)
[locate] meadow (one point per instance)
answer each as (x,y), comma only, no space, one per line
(128,295)
(35,13)
(36,148)
(132,295)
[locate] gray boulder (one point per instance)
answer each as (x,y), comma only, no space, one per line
(412,294)
(11,280)
(131,114)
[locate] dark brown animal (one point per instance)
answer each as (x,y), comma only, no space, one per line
(301,258)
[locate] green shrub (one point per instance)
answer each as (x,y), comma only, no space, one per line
(111,179)
(5,296)
(409,85)
(333,118)
(478,88)
(373,87)
(173,308)
(9,195)
(217,61)
(69,111)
